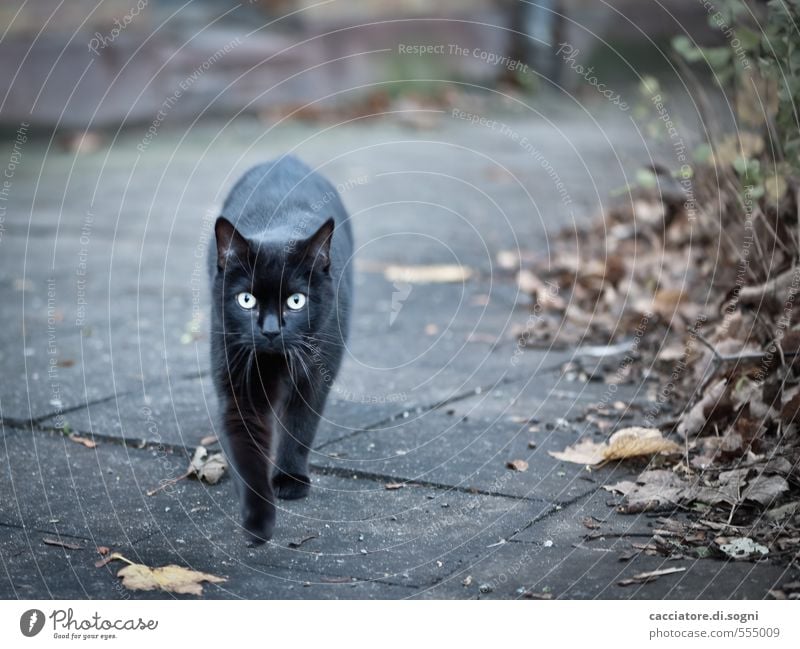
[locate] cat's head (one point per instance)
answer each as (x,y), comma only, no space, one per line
(275,292)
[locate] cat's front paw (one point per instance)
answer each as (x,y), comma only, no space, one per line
(291,486)
(258,529)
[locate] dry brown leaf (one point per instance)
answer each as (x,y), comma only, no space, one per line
(391,486)
(431,274)
(694,420)
(171,578)
(652,490)
(586,451)
(666,302)
(623,487)
(671,353)
(765,490)
(88,443)
(203,466)
(207,467)
(517,465)
(637,442)
(625,443)
(531,595)
(545,294)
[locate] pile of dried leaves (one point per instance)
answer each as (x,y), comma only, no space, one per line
(697,279)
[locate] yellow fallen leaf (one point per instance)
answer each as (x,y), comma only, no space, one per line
(433,274)
(637,442)
(171,578)
(584,452)
(625,443)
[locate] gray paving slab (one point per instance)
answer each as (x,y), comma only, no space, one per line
(558,557)
(361,530)
(469,443)
(34,570)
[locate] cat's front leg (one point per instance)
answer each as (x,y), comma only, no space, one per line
(247,442)
(298,425)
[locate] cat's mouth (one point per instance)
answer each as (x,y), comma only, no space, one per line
(277,346)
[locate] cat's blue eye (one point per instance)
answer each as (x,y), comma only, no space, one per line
(246,300)
(296,301)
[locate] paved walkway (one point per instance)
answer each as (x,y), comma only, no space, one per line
(103,290)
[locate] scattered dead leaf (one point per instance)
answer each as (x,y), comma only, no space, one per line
(693,422)
(638,442)
(529,594)
(204,466)
(171,578)
(586,451)
(517,465)
(88,443)
(626,443)
(765,490)
(208,467)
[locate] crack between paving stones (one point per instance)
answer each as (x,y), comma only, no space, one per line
(554,509)
(86,404)
(143,445)
(436,405)
(353,580)
(13,422)
(51,532)
(309,571)
(440,486)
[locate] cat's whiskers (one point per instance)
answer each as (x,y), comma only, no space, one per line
(299,352)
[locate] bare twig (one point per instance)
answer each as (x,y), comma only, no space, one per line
(777,287)
(726,358)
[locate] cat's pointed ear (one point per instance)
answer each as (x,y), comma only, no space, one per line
(230,243)
(318,246)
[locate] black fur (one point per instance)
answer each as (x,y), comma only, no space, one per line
(283,230)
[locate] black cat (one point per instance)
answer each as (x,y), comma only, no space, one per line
(281,293)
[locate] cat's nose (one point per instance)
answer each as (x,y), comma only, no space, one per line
(271,327)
